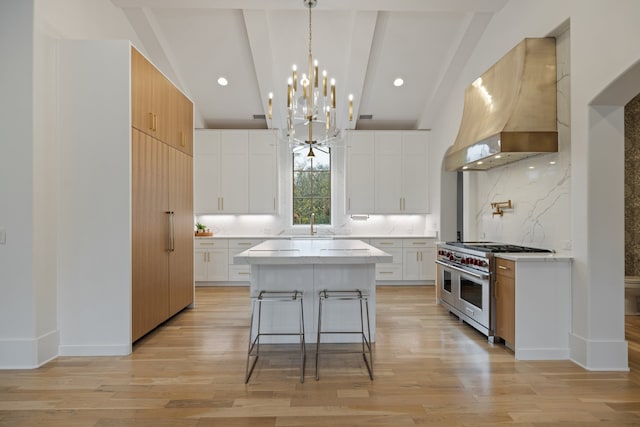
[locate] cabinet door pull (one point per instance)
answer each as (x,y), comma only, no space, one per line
(171,231)
(150,121)
(502,267)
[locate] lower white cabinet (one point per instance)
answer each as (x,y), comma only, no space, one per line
(210,260)
(413,259)
(391,270)
(240,272)
(213,260)
(419,259)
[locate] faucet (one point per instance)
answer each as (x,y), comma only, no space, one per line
(312,222)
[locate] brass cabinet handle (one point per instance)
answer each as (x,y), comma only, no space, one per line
(150,121)
(502,267)
(171,231)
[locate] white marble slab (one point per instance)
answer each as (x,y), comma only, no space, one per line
(312,251)
(535,257)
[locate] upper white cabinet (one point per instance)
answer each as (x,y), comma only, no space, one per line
(263,172)
(401,172)
(360,173)
(235,172)
(414,173)
(387,172)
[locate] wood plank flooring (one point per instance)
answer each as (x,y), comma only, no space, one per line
(430,370)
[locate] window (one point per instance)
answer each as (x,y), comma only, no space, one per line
(312,186)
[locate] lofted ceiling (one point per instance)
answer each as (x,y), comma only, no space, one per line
(363,44)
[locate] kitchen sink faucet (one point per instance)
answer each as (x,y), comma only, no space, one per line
(312,222)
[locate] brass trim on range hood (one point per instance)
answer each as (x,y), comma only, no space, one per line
(510,111)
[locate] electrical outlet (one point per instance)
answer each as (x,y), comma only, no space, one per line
(3,236)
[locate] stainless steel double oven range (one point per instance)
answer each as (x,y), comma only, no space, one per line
(466,275)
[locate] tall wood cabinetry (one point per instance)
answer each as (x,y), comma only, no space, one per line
(162,198)
(126,231)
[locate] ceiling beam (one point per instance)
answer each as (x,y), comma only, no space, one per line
(361,5)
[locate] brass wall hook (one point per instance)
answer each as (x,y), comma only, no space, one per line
(500,206)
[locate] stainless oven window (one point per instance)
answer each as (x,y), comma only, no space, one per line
(471,292)
(446,280)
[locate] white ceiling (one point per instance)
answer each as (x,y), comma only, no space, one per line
(363,44)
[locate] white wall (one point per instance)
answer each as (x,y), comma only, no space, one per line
(18,344)
(603,46)
(29,31)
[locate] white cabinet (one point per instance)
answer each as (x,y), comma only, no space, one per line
(211,260)
(419,259)
(413,259)
(360,173)
(240,272)
(388,176)
(415,186)
(235,172)
(401,161)
(263,172)
(391,270)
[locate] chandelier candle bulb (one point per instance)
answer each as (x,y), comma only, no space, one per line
(295,77)
(333,93)
(289,92)
(315,73)
(350,107)
(324,82)
(270,109)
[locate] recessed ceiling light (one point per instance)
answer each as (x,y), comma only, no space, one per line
(532,167)
(498,156)
(552,163)
(398,82)
(222,81)
(480,162)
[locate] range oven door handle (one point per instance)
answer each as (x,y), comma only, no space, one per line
(462,270)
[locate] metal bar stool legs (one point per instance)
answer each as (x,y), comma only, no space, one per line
(365,334)
(254,341)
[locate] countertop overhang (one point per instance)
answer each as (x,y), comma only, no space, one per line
(312,251)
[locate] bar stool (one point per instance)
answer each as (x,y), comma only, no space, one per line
(346,295)
(254,342)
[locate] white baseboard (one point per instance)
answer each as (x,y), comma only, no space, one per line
(29,353)
(95,350)
(599,355)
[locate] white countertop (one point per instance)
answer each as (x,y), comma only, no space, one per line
(321,237)
(535,257)
(312,251)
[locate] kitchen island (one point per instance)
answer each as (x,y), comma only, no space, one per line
(311,265)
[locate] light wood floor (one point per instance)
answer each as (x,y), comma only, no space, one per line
(430,370)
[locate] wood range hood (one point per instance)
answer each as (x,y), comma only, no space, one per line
(510,111)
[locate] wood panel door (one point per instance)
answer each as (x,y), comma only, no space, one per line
(150,233)
(181,285)
(505,293)
(142,80)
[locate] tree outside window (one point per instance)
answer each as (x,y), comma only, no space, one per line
(312,186)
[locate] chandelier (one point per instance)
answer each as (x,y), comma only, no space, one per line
(311,105)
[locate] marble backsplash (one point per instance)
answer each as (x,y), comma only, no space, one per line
(632,187)
(539,187)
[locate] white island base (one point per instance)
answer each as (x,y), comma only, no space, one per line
(311,266)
